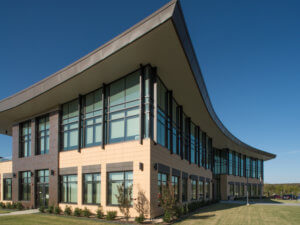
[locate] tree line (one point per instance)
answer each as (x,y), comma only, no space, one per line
(281,189)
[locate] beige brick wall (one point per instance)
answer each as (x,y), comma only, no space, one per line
(160,154)
(226,179)
(113,153)
(5,167)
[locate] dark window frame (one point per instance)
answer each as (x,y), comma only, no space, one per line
(46,136)
(94,188)
(5,189)
(67,188)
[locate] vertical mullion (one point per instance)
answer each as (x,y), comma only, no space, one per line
(166,119)
(155,104)
(103,115)
(170,94)
(180,130)
(198,147)
(142,103)
(79,122)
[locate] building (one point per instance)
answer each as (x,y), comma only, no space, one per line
(134,111)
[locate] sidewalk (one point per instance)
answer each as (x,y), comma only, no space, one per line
(23,212)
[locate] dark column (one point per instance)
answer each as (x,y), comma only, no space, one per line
(79,121)
(142,103)
(103,115)
(170,95)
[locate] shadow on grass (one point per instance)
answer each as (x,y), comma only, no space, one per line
(198,214)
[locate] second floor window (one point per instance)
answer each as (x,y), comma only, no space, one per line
(70,125)
(43,135)
(25,139)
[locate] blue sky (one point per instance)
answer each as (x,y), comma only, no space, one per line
(249,53)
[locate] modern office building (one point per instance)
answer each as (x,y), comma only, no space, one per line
(134,111)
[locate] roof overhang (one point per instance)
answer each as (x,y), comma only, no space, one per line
(163,41)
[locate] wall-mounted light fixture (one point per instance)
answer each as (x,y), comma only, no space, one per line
(52,172)
(14,175)
(141,166)
(155,166)
(32,174)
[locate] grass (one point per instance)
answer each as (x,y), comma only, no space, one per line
(276,201)
(235,214)
(38,219)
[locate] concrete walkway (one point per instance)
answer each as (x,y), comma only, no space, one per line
(22,212)
(260,203)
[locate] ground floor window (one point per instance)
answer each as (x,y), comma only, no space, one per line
(162,181)
(237,190)
(25,186)
(194,189)
(253,190)
(69,189)
(242,190)
(184,189)
(249,190)
(115,181)
(207,195)
(201,190)
(231,189)
(175,185)
(7,187)
(91,188)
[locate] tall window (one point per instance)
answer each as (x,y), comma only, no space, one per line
(124,99)
(184,189)
(248,170)
(237,190)
(69,188)
(230,163)
(7,187)
(231,189)
(201,190)
(70,125)
(175,127)
(242,190)
(92,188)
(116,179)
(43,135)
(259,169)
(25,139)
(207,189)
(237,164)
(92,118)
(162,181)
(249,190)
(25,186)
(194,189)
(242,165)
(193,144)
(175,185)
(161,113)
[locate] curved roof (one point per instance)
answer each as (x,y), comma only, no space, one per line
(83,75)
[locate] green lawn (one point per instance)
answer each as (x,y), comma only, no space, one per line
(41,219)
(234,214)
(276,201)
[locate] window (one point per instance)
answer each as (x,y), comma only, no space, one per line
(247,167)
(70,125)
(69,189)
(242,166)
(162,180)
(194,189)
(237,164)
(161,113)
(43,135)
(231,189)
(230,163)
(207,189)
(92,188)
(242,190)
(92,118)
(193,144)
(7,187)
(184,189)
(115,180)
(124,99)
(201,190)
(237,190)
(249,190)
(175,185)
(25,139)
(42,188)
(25,186)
